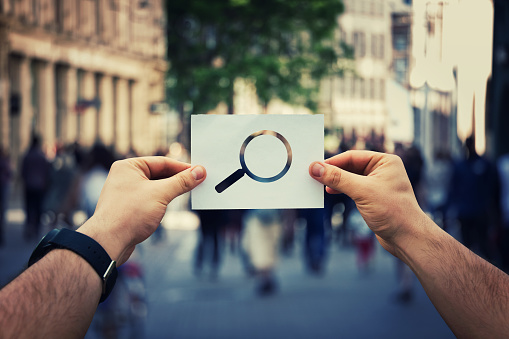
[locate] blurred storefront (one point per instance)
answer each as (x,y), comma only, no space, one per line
(82,70)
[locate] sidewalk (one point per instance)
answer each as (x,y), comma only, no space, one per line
(342,304)
(16,251)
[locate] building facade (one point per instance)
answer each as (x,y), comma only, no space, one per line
(450,67)
(401,117)
(81,71)
(355,104)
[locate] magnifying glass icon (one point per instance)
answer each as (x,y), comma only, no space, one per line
(235,176)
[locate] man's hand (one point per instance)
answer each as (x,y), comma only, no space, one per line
(59,293)
(470,294)
(379,185)
(134,199)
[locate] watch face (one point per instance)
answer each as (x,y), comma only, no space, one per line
(42,247)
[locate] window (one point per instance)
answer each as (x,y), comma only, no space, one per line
(374,45)
(400,70)
(341,86)
(382,90)
(372,9)
(364,6)
(348,6)
(381,46)
(343,36)
(98,19)
(400,42)
(380,8)
(372,89)
(362,85)
(359,44)
(377,46)
(59,15)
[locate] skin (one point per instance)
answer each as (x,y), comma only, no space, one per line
(132,203)
(471,295)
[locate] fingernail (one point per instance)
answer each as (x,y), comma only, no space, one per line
(317,169)
(197,172)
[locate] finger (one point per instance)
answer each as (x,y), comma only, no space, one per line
(183,182)
(159,167)
(331,191)
(359,162)
(336,179)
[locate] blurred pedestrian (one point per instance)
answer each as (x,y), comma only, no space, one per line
(438,177)
(363,239)
(262,231)
(96,166)
(78,153)
(414,164)
(5,179)
(503,172)
(314,246)
(58,204)
(288,231)
(36,175)
(472,198)
(233,229)
(208,248)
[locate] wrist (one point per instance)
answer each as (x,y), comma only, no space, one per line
(99,231)
(418,231)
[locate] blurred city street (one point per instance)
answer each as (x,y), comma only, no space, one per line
(342,303)
(84,84)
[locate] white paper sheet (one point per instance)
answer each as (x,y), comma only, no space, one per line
(216,142)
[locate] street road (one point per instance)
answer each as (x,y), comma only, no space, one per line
(343,303)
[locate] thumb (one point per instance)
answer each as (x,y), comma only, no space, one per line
(184,181)
(336,179)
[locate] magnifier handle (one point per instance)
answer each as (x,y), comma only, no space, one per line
(230,180)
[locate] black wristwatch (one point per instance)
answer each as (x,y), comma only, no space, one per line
(84,246)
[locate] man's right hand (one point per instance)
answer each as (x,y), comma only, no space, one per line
(380,187)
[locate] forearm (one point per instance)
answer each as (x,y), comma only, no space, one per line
(471,295)
(54,298)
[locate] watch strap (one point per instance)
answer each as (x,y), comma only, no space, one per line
(88,249)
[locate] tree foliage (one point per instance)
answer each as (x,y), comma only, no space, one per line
(282,46)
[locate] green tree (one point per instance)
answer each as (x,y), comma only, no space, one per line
(284,47)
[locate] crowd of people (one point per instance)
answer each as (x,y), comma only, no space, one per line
(467,291)
(470,194)
(467,196)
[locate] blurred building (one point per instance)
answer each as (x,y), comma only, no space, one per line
(400,120)
(401,30)
(81,70)
(355,105)
(498,119)
(450,67)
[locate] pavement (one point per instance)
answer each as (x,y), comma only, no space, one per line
(342,303)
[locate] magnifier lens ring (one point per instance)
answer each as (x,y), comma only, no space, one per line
(288,159)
